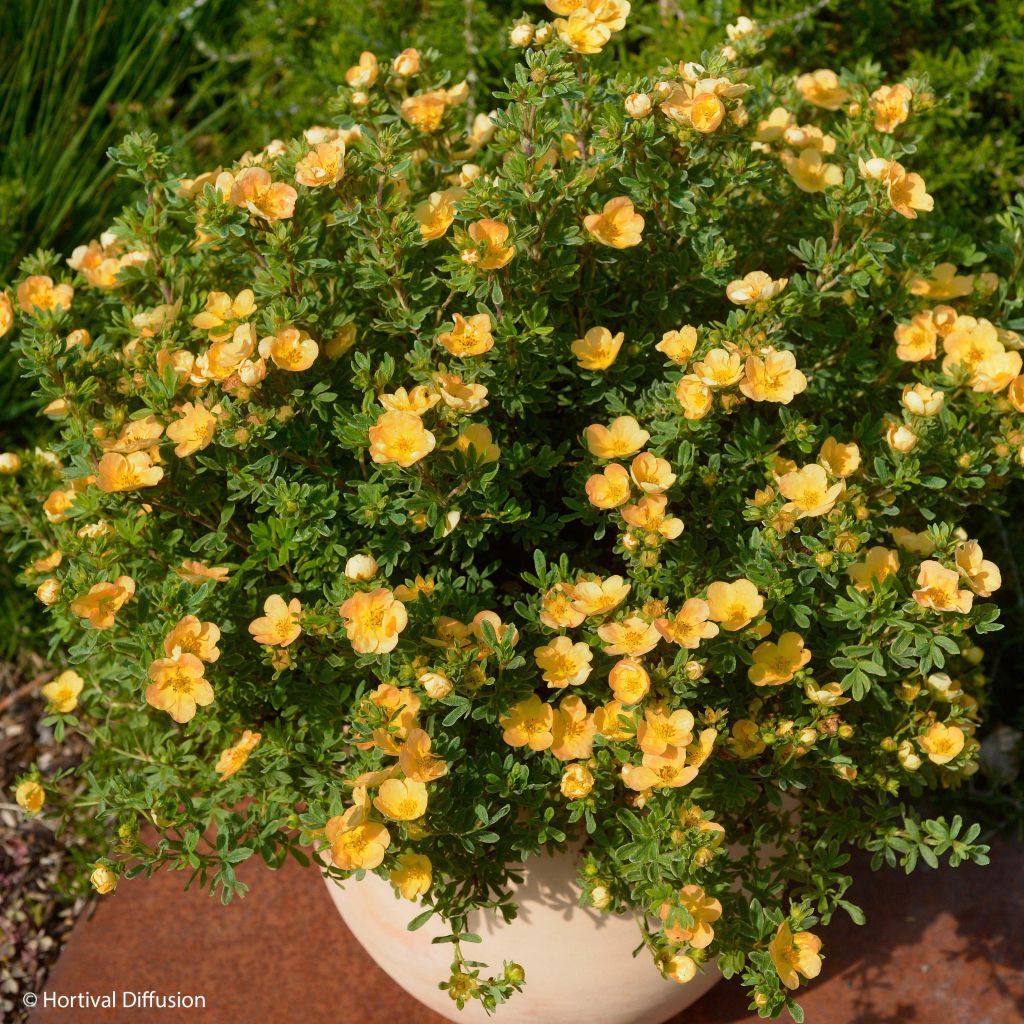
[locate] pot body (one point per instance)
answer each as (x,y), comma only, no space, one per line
(579,963)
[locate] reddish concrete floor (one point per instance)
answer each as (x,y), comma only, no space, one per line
(939,948)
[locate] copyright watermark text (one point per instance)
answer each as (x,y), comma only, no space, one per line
(114,999)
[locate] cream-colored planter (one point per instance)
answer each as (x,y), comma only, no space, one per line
(579,964)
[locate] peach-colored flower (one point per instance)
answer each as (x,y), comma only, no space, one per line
(651,474)
(197,573)
(916,341)
(629,681)
(194,430)
(907,193)
(117,473)
(361,846)
(609,488)
(414,874)
(39,293)
(734,605)
(661,731)
(470,336)
(720,368)
(400,437)
(582,32)
(822,89)
(689,625)
(809,492)
(982,576)
(254,190)
(879,564)
(290,349)
(279,624)
(103,601)
(703,909)
(775,664)
(573,730)
(631,637)
(793,955)
(234,757)
(529,723)
(178,686)
(695,396)
(557,611)
(622,437)
(809,171)
(772,376)
(659,771)
(373,621)
(564,663)
(599,596)
(62,692)
(436,214)
(416,760)
(678,345)
(597,349)
(943,283)
(841,460)
(757,286)
(192,635)
(942,743)
(939,589)
(891,106)
(649,515)
(6,313)
(618,225)
(323,165)
(491,240)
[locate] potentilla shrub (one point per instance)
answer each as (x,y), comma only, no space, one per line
(434,489)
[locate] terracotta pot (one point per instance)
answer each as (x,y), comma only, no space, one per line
(579,964)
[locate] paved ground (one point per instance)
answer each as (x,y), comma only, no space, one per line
(939,948)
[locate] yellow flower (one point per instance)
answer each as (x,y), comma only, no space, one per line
(942,743)
(373,621)
(629,681)
(599,596)
(10,462)
(921,400)
(618,225)
(461,395)
(425,110)
(529,723)
(406,64)
(659,771)
(127,472)
(413,875)
(689,625)
(772,376)
(916,341)
(944,283)
(695,397)
(745,741)
(577,782)
(608,720)
(234,757)
(822,89)
(324,164)
(775,664)
(907,192)
(364,74)
(982,576)
(757,286)
(197,573)
(582,32)
(63,692)
(178,686)
(436,214)
(841,460)
(809,171)
(830,695)
(996,372)
(609,488)
(49,591)
(938,589)
(915,543)
(401,799)
(719,368)
(808,492)
(659,732)
(572,730)
(30,795)
(102,879)
(649,515)
(290,349)
(702,908)
(891,106)
(680,968)
(255,191)
(6,313)
(772,127)
(734,605)
(196,637)
(622,437)
(361,846)
(475,441)
(490,238)
(564,663)
(343,340)
(417,401)
(416,760)
(99,606)
(879,563)
(194,430)
(651,474)
(794,955)
(39,293)
(678,345)
(632,637)
(697,106)
(400,437)
(135,436)
(469,336)
(597,349)
(279,625)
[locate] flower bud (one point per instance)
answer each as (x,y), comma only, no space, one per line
(407,63)
(49,591)
(361,567)
(521,35)
(10,462)
(638,104)
(103,880)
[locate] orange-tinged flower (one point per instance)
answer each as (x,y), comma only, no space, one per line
(629,681)
(279,624)
(573,730)
(660,731)
(582,32)
(609,488)
(659,771)
(30,796)
(944,283)
(649,515)
(135,436)
(678,345)
(577,782)
(822,89)
(556,608)
(793,955)
(841,460)
(461,395)
(400,437)
(915,543)
(695,397)
(597,349)
(632,637)
(809,171)
(529,724)
(324,164)
(6,313)
(373,621)
(734,605)
(401,799)
(745,741)
(771,129)
(194,430)
(891,106)
(364,74)
(119,473)
(436,214)
(419,400)
(982,576)
(599,596)
(907,193)
(689,625)
(234,757)
(996,372)
(290,349)
(103,601)
(416,760)
(939,589)
(194,636)
(255,191)
(362,846)
(618,225)
(470,336)
(916,341)
(63,692)
(941,742)
(197,573)
(651,474)
(425,110)
(879,564)
(702,908)
(475,441)
(809,492)
(505,634)
(222,314)
(39,294)
(720,368)
(613,721)
(564,663)
(102,879)
(178,686)
(772,376)
(622,437)
(412,876)
(775,664)
(757,286)
(491,240)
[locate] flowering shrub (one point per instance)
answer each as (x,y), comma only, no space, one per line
(433,489)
